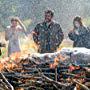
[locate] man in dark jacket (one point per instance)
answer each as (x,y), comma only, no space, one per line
(48,34)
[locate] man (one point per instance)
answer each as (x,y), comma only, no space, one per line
(48,34)
(12,35)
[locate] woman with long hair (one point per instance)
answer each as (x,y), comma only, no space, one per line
(79,34)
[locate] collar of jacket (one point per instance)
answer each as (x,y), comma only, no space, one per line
(51,23)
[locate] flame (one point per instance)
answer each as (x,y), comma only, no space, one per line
(28,46)
(1,66)
(72,68)
(15,56)
(56,61)
(55,64)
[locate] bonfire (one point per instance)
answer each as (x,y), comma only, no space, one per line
(50,71)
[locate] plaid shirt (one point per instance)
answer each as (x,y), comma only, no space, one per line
(82,39)
(49,37)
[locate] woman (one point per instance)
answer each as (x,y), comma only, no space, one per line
(79,34)
(12,35)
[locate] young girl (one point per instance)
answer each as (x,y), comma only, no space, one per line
(79,34)
(12,35)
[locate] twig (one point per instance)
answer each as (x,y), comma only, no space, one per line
(9,85)
(55,82)
(82,85)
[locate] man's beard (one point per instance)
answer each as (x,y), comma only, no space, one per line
(47,20)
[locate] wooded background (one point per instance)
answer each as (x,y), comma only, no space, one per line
(32,11)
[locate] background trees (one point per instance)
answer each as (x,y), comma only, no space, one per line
(31,11)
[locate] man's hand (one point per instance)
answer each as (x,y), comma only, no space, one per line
(71,30)
(77,32)
(74,31)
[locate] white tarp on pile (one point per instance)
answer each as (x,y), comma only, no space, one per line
(72,55)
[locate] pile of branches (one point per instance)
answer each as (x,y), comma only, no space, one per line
(34,72)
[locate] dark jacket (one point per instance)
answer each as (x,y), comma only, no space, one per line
(48,37)
(81,39)
(88,39)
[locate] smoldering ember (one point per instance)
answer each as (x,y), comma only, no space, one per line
(66,69)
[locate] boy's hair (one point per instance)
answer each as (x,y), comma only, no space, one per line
(14,19)
(49,12)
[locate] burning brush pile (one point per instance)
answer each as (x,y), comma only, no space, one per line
(67,69)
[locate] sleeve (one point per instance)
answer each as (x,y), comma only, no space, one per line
(60,35)
(86,37)
(36,34)
(21,30)
(73,36)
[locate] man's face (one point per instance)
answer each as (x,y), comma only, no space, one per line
(48,17)
(14,23)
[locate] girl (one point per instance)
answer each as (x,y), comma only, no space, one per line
(80,33)
(12,35)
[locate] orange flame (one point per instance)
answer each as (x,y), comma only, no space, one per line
(56,61)
(55,64)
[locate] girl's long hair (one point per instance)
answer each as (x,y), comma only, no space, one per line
(79,20)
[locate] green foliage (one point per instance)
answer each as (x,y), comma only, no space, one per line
(65,11)
(87,21)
